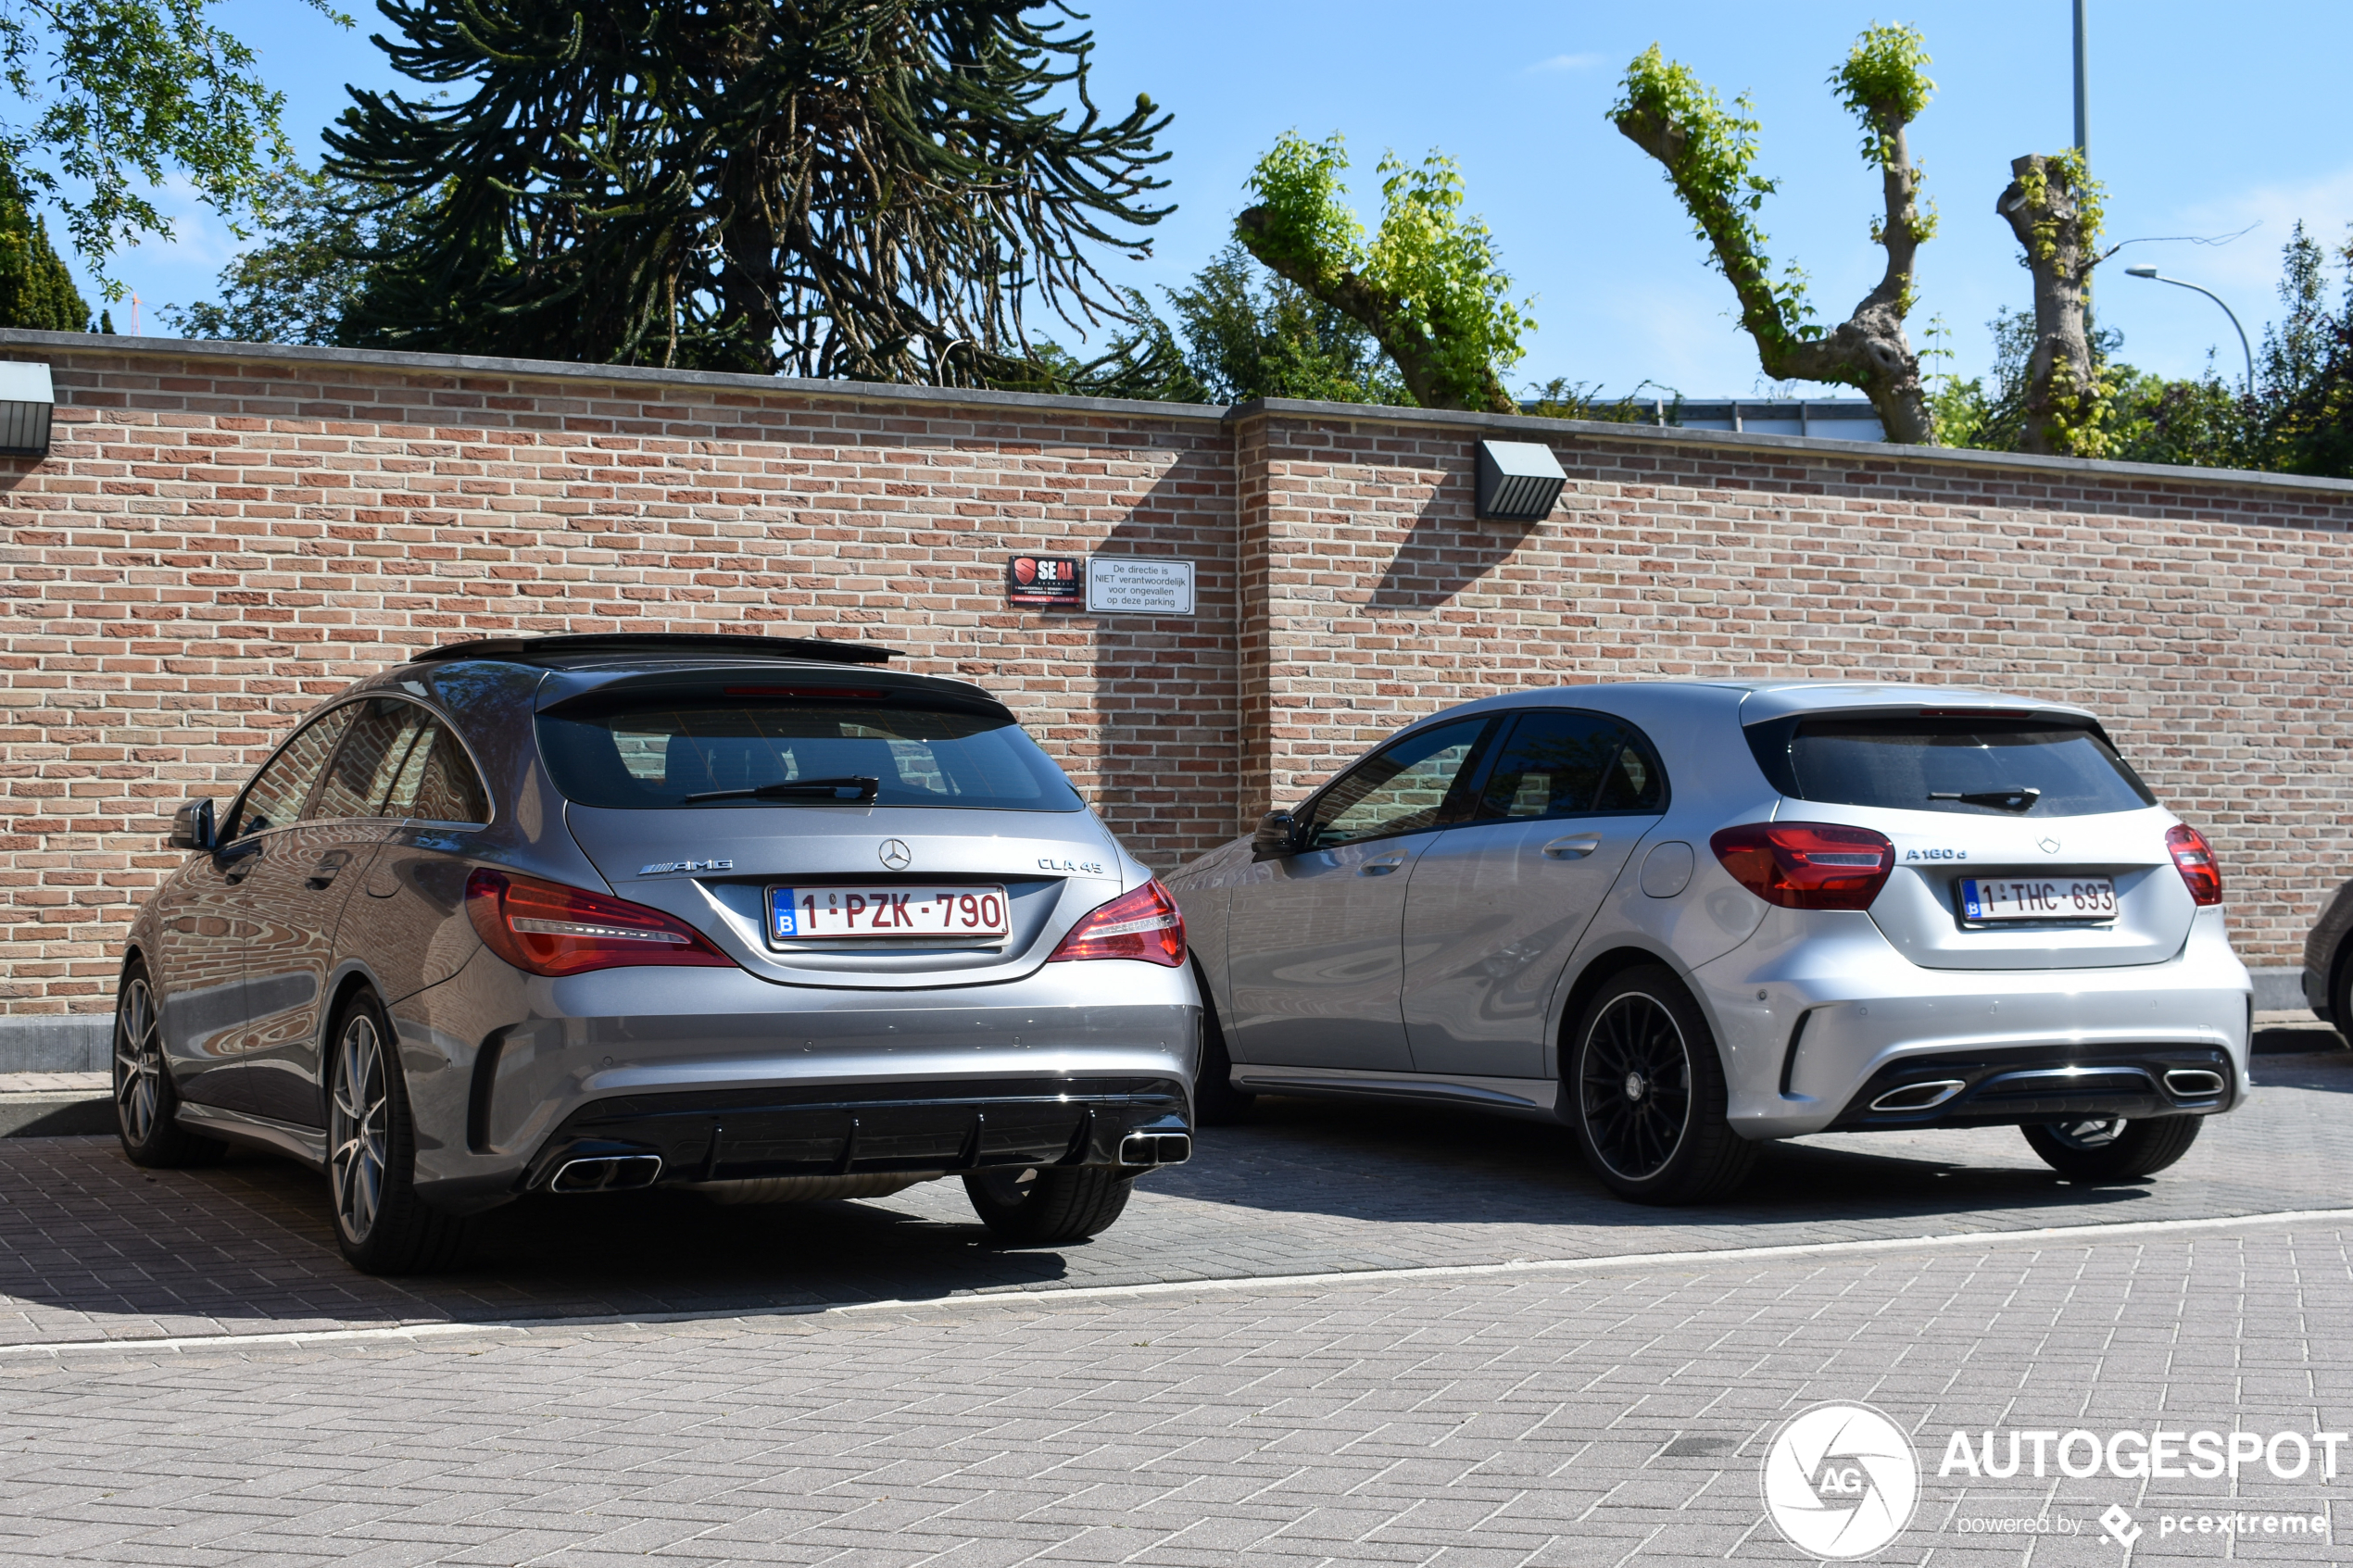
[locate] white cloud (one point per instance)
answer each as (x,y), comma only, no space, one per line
(1565,62)
(2251,265)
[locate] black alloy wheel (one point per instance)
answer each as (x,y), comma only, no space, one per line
(1649,1096)
(145,1104)
(2110,1148)
(1216,1103)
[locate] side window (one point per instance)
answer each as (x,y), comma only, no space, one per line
(372,758)
(1402,788)
(1565,762)
(437,783)
(275,796)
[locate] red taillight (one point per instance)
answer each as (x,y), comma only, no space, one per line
(546,928)
(2195,860)
(1807,865)
(1144,924)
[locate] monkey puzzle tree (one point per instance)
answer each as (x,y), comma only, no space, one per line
(1428,287)
(1709,153)
(864,188)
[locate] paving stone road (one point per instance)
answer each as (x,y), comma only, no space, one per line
(1015,1406)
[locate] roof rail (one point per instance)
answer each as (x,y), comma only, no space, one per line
(740,644)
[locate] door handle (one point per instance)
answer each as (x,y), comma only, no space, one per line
(333,861)
(1571,849)
(1380,868)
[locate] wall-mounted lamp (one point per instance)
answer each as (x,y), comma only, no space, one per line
(1519,480)
(26,399)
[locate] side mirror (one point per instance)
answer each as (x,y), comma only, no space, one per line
(1277,835)
(192,826)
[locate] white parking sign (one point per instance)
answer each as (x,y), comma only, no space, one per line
(1137,585)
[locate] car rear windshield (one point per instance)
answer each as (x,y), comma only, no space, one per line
(657,752)
(1974,767)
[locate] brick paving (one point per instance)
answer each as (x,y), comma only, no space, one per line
(92,1248)
(1610,1418)
(964,1412)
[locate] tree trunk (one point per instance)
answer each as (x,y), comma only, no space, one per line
(1349,294)
(2045,207)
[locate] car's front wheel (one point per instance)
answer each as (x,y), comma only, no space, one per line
(1048,1204)
(381,1224)
(145,1103)
(1647,1094)
(2110,1148)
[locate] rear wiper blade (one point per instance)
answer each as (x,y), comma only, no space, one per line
(865,786)
(2020,799)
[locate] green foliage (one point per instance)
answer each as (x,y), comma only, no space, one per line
(307,277)
(874,189)
(35,289)
(2298,419)
(1429,286)
(1562,398)
(2091,209)
(1883,83)
(1249,333)
(1145,362)
(117,94)
(1711,160)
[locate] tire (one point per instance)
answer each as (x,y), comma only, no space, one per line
(2341,997)
(145,1104)
(2111,1149)
(1216,1103)
(1053,1204)
(1646,1094)
(381,1224)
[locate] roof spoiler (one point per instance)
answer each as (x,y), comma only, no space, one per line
(738,645)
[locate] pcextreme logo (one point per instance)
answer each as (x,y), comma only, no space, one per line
(1840,1480)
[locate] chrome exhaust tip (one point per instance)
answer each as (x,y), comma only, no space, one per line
(616,1173)
(1919,1097)
(1155,1149)
(2193,1082)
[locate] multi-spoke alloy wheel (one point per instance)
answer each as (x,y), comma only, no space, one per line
(138,1061)
(146,1105)
(1636,1085)
(356,1126)
(383,1224)
(1646,1094)
(2096,1134)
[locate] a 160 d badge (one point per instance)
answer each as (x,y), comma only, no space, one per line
(1840,1480)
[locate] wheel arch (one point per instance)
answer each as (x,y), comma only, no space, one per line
(1599,971)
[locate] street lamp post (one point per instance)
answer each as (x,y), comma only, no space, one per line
(2155,276)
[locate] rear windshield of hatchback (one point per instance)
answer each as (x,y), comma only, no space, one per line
(713,752)
(1968,766)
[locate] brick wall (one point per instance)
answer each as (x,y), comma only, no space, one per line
(222,536)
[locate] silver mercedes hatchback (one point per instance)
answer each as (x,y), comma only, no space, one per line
(1684,918)
(579,914)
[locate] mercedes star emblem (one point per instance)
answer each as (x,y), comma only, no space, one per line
(896,855)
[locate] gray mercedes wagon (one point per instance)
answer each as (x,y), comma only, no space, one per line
(751,916)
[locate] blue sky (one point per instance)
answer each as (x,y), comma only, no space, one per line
(2205,118)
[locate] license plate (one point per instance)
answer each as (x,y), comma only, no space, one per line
(2030,897)
(794,913)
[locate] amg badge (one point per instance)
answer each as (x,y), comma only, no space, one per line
(662,868)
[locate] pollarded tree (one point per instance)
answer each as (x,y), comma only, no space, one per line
(1428,287)
(1709,153)
(2053,206)
(863,188)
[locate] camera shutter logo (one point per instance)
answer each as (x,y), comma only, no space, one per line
(1840,1480)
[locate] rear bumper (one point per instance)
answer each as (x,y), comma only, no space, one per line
(2024,1087)
(844,1130)
(503,1069)
(1818,1016)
